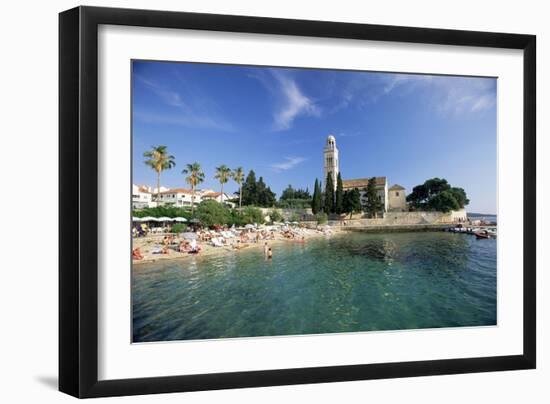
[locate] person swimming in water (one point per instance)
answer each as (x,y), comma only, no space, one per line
(269,254)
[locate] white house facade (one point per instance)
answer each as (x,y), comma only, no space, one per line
(141,197)
(217,196)
(178,197)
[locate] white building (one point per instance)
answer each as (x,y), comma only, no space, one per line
(217,196)
(397,199)
(362,183)
(331,164)
(178,197)
(141,197)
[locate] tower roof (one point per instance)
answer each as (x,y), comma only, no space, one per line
(331,142)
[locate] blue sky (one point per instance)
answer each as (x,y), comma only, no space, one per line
(276,120)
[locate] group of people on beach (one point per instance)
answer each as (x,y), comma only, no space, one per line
(216,237)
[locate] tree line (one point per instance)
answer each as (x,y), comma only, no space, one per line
(338,201)
(435,194)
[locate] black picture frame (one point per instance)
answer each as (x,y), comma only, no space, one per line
(78,196)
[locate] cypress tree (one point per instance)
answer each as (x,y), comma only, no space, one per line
(329,195)
(316,200)
(339,201)
(373,205)
(250,195)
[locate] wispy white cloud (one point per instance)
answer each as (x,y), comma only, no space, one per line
(185,113)
(287,164)
(186,120)
(291,101)
(450,95)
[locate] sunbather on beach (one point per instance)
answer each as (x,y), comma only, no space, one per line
(136,254)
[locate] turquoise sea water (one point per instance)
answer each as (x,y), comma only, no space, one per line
(345,283)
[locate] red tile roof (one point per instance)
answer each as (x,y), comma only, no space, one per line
(363,182)
(177,191)
(212,194)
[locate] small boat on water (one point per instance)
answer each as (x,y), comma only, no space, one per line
(482,234)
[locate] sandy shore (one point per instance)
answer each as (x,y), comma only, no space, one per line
(149,244)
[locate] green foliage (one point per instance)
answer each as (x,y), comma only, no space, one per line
(436,194)
(373,204)
(444,202)
(161,211)
(223,174)
(294,198)
(159,160)
(321,218)
(211,213)
(179,228)
(352,202)
(238,176)
(295,217)
(316,201)
(339,199)
(329,195)
(294,204)
(257,193)
(275,216)
(291,193)
(250,196)
(251,215)
(265,197)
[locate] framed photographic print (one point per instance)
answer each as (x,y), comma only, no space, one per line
(251,201)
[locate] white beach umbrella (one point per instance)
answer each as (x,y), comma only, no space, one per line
(136,219)
(249,226)
(165,219)
(180,219)
(148,219)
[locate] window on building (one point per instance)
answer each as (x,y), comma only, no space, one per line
(396,193)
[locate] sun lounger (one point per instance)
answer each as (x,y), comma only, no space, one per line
(216,242)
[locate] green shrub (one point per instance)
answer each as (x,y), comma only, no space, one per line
(161,211)
(295,217)
(212,213)
(321,218)
(275,216)
(179,228)
(250,215)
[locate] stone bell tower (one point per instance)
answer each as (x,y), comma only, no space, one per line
(331,162)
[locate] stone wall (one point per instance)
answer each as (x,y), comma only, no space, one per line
(304,214)
(389,219)
(406,219)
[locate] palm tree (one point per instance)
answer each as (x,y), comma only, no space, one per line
(223,173)
(195,177)
(159,160)
(238,177)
